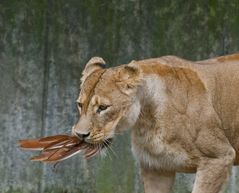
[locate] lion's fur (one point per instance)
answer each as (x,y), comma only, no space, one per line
(184,116)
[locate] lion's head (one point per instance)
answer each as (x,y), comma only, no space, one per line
(107,102)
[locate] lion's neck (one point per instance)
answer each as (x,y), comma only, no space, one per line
(146,130)
(152,102)
(149,104)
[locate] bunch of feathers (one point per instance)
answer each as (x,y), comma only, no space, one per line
(58,147)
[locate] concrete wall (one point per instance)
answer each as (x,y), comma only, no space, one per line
(44,45)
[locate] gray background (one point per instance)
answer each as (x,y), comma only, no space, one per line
(45,44)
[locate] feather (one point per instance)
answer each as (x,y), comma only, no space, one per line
(44,156)
(91,152)
(55,138)
(32,144)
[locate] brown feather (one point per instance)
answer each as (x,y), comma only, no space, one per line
(55,138)
(44,156)
(66,152)
(59,144)
(32,144)
(91,152)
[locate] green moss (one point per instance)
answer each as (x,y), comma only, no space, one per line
(15,191)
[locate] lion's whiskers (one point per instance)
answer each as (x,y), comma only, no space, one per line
(107,143)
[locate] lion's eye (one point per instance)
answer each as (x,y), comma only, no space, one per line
(79,105)
(102,108)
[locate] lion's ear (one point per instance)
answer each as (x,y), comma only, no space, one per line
(92,65)
(129,78)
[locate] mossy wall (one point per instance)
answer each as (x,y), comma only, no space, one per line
(44,45)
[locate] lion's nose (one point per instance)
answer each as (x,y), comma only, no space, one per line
(82,136)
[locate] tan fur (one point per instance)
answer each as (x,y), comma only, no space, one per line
(183,116)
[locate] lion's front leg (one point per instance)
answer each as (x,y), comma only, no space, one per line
(157,181)
(212,174)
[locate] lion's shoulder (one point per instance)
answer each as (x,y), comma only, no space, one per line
(172,68)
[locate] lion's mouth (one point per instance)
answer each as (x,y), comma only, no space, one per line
(60,147)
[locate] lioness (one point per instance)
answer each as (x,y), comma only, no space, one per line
(183,116)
